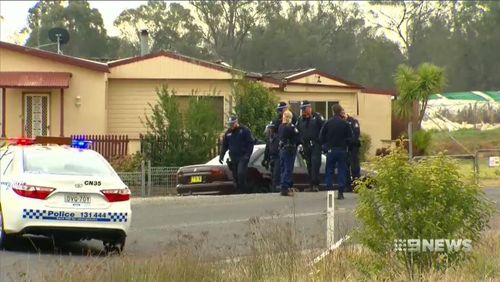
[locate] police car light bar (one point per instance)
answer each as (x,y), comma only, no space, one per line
(81,144)
(22,141)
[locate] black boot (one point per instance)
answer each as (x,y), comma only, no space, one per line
(340,196)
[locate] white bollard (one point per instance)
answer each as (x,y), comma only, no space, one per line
(330,219)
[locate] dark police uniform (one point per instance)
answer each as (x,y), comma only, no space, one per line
(272,157)
(240,143)
(336,136)
(289,139)
(309,129)
(279,118)
(354,169)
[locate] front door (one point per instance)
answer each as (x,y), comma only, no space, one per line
(36,115)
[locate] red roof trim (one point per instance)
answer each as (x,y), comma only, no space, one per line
(327,75)
(173,56)
(379,92)
(83,63)
(34,79)
(325,85)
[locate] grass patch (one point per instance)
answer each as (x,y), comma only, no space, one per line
(472,139)
(276,256)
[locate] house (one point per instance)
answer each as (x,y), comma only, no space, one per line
(44,93)
(372,107)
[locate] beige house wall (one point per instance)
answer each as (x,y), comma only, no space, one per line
(375,118)
(346,99)
(163,67)
(313,79)
(128,101)
(89,118)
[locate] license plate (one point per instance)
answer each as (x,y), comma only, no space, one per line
(196,179)
(77,199)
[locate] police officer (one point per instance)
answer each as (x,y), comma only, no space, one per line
(239,141)
(280,109)
(353,166)
(309,126)
(336,136)
(271,159)
(289,139)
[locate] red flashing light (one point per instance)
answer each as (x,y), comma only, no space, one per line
(22,141)
(116,195)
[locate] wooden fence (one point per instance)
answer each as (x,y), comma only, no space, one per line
(108,146)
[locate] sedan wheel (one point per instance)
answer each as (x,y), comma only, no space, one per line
(4,238)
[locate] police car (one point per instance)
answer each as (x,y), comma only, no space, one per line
(67,192)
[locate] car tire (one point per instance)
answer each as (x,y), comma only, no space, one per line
(114,246)
(4,238)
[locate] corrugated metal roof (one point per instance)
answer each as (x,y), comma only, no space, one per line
(281,74)
(34,79)
(75,61)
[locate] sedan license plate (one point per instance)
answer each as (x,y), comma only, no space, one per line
(77,199)
(196,179)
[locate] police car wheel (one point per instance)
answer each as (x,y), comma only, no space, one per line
(114,247)
(4,238)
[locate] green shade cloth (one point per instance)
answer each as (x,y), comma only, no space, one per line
(468,96)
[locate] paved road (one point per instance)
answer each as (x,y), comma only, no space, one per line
(222,225)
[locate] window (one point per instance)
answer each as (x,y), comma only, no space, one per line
(65,162)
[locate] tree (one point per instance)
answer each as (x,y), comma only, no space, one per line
(228,24)
(416,86)
(377,56)
(255,106)
(175,138)
(413,16)
(170,25)
(88,38)
(322,35)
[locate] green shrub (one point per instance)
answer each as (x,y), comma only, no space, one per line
(420,200)
(422,141)
(366,142)
(128,163)
(176,138)
(255,106)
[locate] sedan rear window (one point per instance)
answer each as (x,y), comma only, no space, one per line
(65,162)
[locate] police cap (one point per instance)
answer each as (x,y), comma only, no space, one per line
(281,106)
(232,120)
(305,104)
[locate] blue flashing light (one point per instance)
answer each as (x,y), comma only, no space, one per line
(81,144)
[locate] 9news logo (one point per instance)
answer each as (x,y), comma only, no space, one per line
(432,245)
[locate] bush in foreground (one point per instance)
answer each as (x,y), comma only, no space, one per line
(429,199)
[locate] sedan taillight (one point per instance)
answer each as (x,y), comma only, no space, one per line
(34,192)
(217,172)
(116,195)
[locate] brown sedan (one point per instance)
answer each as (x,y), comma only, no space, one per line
(214,177)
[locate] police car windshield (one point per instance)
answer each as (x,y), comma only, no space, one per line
(65,162)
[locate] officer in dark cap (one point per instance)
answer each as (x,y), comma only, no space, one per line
(335,136)
(309,126)
(280,109)
(271,159)
(353,166)
(239,141)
